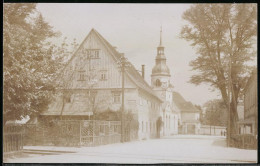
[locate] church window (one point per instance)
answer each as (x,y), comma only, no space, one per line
(158,83)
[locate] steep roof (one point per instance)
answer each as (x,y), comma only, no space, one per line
(182,104)
(82,108)
(130,70)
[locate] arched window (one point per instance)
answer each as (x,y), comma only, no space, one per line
(158,82)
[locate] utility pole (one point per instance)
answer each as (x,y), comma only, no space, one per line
(91,82)
(123,98)
(229,109)
(122,62)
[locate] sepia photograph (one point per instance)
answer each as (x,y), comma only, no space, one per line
(130,83)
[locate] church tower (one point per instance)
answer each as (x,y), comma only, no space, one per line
(160,78)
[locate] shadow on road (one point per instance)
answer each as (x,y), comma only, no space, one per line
(220,142)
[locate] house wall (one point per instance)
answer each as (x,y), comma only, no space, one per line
(190,127)
(148,112)
(103,63)
(189,116)
(251,103)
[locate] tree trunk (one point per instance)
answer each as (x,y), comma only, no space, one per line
(233,119)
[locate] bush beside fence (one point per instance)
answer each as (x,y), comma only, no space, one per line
(244,141)
(76,133)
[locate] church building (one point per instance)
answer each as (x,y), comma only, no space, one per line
(160,82)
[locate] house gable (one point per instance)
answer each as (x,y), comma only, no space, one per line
(93,65)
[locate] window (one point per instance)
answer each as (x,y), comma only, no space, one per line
(158,83)
(142,126)
(67,99)
(96,54)
(92,53)
(81,76)
(103,76)
(117,97)
(102,129)
(150,126)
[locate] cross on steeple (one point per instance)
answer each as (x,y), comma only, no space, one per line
(161,36)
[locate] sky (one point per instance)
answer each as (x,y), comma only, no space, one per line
(135,30)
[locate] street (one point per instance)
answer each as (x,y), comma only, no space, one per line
(172,149)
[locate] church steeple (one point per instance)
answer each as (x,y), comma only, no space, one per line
(160,67)
(160,48)
(161,37)
(160,72)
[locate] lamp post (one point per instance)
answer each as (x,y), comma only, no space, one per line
(122,62)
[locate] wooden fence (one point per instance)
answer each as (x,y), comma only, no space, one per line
(212,130)
(12,139)
(74,133)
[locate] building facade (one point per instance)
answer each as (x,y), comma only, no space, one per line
(250,122)
(190,115)
(92,82)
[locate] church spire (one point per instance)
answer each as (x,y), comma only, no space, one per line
(161,37)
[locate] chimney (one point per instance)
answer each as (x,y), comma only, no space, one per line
(143,71)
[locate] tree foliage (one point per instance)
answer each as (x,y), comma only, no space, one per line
(224,36)
(215,113)
(30,61)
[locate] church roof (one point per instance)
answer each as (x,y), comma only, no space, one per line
(160,69)
(182,104)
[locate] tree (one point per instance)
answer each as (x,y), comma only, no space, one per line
(216,113)
(224,36)
(29,65)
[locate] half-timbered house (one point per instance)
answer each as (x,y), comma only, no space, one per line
(92,82)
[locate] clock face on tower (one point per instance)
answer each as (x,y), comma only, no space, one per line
(164,84)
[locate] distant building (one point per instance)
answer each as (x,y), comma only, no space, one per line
(249,124)
(190,115)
